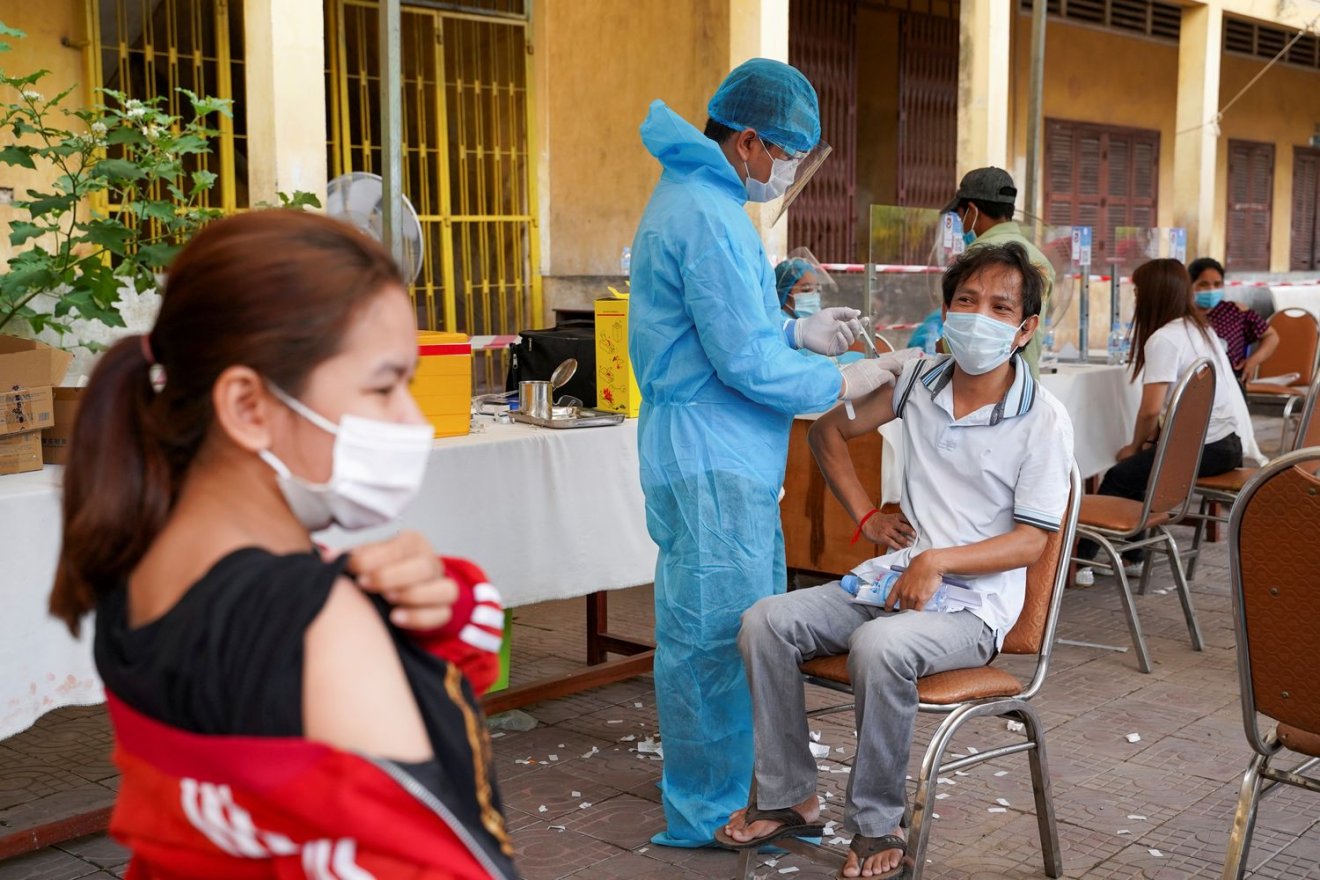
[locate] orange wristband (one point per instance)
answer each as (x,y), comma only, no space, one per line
(858,534)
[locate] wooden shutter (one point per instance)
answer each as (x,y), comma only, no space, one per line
(822,43)
(1250,205)
(1303,252)
(927,110)
(1100,176)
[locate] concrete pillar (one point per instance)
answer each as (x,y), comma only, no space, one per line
(1195,143)
(284,41)
(984,63)
(759,29)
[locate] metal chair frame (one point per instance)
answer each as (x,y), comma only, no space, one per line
(1208,496)
(1115,543)
(1289,399)
(1016,708)
(1261,777)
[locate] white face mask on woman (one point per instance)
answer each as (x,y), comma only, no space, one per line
(377,469)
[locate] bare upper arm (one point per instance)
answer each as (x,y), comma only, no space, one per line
(1152,398)
(356,696)
(871,411)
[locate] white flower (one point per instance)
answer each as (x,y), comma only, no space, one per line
(151,132)
(31,95)
(136,112)
(99,129)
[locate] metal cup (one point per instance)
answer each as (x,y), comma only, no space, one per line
(534,399)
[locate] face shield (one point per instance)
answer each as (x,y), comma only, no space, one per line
(807,164)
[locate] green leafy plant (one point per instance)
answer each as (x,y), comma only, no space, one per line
(72,261)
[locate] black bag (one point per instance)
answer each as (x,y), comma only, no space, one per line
(535,356)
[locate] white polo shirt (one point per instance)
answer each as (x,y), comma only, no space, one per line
(966,480)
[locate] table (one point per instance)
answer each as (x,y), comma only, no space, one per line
(1296,296)
(549,514)
(42,666)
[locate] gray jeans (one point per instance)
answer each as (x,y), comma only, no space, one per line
(887,654)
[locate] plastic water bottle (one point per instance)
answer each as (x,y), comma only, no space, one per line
(1127,343)
(625,261)
(1047,355)
(876,592)
(1115,350)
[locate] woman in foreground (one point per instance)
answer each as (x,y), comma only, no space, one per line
(272,719)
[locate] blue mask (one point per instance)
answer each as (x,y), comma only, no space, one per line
(969,237)
(1208,299)
(977,342)
(806,304)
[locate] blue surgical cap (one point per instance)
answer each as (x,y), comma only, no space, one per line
(787,274)
(774,99)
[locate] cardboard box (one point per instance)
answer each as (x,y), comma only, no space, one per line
(28,364)
(55,439)
(616,386)
(20,453)
(442,385)
(23,415)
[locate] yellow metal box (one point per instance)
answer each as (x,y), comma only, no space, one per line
(442,386)
(616,386)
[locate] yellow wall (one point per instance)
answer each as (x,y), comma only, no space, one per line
(1101,77)
(1283,108)
(599,63)
(45,24)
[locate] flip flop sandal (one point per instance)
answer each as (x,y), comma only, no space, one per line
(794,825)
(865,847)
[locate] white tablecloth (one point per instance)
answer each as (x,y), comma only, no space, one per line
(1103,404)
(1297,296)
(42,667)
(549,514)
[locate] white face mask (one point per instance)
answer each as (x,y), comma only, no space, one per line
(377,469)
(782,172)
(977,342)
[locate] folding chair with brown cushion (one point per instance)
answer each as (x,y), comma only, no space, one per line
(1120,524)
(1299,346)
(1273,556)
(964,694)
(1222,490)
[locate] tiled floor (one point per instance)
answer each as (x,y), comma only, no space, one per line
(1158,808)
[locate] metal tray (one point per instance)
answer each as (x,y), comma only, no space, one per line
(586,418)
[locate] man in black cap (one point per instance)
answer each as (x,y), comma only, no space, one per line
(984,204)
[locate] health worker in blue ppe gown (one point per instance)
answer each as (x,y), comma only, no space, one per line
(721,381)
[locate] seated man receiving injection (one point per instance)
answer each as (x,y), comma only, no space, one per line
(988,453)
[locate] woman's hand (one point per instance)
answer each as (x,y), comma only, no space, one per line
(1128,451)
(406,571)
(916,584)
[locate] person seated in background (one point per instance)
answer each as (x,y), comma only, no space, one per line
(275,707)
(988,454)
(1169,333)
(799,291)
(799,295)
(1237,325)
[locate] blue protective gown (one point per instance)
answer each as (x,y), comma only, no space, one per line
(720,386)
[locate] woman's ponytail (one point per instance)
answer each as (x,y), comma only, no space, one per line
(118,484)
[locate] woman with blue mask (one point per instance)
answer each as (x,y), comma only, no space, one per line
(1238,326)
